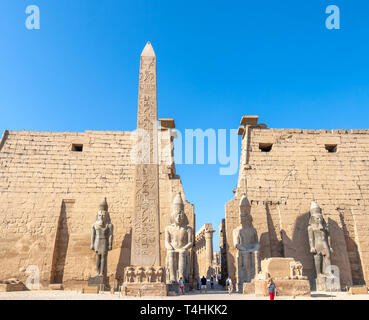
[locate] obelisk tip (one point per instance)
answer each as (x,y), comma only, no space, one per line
(148,51)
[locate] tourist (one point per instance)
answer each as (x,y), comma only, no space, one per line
(229,285)
(181,285)
(271,288)
(212,282)
(203,284)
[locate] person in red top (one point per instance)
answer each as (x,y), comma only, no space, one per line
(271,288)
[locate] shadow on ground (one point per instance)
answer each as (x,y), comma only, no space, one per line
(322,295)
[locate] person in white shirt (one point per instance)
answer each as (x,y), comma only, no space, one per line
(229,285)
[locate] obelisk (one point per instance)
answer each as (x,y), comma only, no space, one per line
(145,249)
(145,276)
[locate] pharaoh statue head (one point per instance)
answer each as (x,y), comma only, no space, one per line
(245,216)
(178,216)
(102,217)
(316,217)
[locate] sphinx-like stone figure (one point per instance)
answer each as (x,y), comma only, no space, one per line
(178,242)
(245,239)
(102,238)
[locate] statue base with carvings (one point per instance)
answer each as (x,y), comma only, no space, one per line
(285,287)
(142,289)
(174,288)
(287,275)
(144,281)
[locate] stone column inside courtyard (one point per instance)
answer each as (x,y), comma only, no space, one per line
(204,251)
(209,246)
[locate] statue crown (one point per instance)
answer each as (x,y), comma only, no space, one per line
(178,202)
(244,202)
(104,205)
(315,210)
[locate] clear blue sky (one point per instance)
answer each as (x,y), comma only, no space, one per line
(217,60)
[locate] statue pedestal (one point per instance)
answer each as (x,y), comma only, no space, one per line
(286,274)
(7,287)
(248,287)
(144,281)
(174,287)
(358,290)
(324,283)
(102,282)
(285,287)
(320,283)
(239,287)
(141,289)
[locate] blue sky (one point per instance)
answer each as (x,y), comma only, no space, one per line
(216,60)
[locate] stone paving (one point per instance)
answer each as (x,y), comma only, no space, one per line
(215,294)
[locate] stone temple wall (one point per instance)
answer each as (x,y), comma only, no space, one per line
(50,195)
(282,171)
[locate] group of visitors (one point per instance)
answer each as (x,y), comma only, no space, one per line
(202,283)
(229,286)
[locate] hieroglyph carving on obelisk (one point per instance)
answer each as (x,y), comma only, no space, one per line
(145,232)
